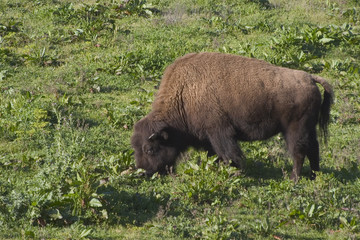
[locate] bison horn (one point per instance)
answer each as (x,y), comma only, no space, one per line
(162,135)
(151,136)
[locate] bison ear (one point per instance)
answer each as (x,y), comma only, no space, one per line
(162,135)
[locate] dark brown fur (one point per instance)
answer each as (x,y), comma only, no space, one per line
(212,100)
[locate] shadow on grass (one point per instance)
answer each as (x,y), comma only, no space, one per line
(265,171)
(260,171)
(343,174)
(125,207)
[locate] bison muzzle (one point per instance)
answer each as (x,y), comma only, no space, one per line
(211,101)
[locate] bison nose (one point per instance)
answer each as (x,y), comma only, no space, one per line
(141,174)
(146,173)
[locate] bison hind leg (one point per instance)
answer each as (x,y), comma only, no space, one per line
(297,150)
(301,142)
(313,153)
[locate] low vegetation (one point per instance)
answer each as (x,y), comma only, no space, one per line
(76,75)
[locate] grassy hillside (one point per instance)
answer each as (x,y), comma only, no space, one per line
(76,75)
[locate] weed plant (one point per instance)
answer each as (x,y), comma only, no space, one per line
(76,75)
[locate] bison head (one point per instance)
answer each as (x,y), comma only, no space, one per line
(155,150)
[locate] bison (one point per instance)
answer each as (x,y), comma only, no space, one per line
(211,101)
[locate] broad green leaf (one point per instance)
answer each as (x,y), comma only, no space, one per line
(326,40)
(85,233)
(311,211)
(95,203)
(2,74)
(55,214)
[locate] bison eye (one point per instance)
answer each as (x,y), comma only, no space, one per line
(148,150)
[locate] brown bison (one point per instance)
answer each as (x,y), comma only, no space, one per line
(210,101)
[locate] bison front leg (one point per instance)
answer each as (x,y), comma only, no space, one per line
(298,159)
(227,149)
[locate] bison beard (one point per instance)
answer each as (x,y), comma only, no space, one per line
(211,101)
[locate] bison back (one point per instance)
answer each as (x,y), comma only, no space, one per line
(206,91)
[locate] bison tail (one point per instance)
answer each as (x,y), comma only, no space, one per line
(325,106)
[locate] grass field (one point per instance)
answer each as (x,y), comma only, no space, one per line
(76,75)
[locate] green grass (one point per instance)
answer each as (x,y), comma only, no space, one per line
(76,75)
